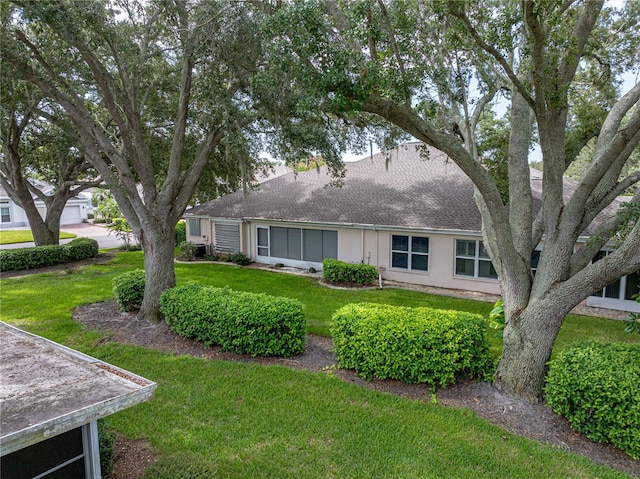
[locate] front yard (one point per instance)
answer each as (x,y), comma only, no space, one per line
(238,420)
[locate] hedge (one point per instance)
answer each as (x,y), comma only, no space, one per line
(414,345)
(82,248)
(244,323)
(596,387)
(335,271)
(128,289)
(49,255)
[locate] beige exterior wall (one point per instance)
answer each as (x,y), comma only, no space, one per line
(369,246)
(206,231)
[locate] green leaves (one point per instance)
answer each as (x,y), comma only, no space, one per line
(415,345)
(335,271)
(243,323)
(595,387)
(128,289)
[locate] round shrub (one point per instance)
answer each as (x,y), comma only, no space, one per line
(335,271)
(414,345)
(596,387)
(82,248)
(244,323)
(187,251)
(128,289)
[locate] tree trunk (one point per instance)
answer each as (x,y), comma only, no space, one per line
(528,341)
(158,245)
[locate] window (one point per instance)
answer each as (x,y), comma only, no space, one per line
(622,288)
(194,227)
(473,260)
(296,243)
(410,252)
(5,214)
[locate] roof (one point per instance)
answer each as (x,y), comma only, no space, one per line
(402,188)
(46,188)
(48,389)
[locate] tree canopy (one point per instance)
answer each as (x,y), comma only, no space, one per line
(438,71)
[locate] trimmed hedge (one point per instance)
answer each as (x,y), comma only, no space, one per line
(414,345)
(596,387)
(128,289)
(40,256)
(82,248)
(335,271)
(244,323)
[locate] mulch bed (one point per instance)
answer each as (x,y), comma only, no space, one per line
(534,421)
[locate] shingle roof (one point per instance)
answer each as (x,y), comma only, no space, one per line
(399,188)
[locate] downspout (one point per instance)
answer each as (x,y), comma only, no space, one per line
(362,245)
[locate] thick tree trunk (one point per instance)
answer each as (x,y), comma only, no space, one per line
(159,272)
(528,341)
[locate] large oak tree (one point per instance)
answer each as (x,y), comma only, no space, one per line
(39,143)
(433,69)
(161,93)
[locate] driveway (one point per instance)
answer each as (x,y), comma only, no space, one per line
(83,230)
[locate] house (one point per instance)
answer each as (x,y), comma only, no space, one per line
(410,212)
(51,398)
(12,215)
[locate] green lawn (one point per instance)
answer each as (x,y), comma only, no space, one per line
(236,420)
(24,236)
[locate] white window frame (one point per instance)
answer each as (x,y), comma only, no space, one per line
(409,252)
(191,222)
(619,303)
(262,257)
(476,261)
(5,205)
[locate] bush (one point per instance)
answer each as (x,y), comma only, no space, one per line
(414,345)
(82,248)
(128,289)
(181,232)
(335,271)
(30,258)
(595,387)
(187,251)
(244,323)
(240,259)
(106,441)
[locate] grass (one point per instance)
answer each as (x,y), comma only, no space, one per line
(24,236)
(236,420)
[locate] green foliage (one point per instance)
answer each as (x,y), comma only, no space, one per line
(40,256)
(335,271)
(107,208)
(82,248)
(240,259)
(415,345)
(122,230)
(128,289)
(632,323)
(106,441)
(187,250)
(496,316)
(244,323)
(595,387)
(181,232)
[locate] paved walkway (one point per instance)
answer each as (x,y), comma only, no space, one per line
(82,230)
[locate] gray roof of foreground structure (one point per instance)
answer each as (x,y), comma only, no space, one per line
(401,188)
(47,389)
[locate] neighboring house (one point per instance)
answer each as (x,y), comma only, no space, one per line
(12,215)
(412,217)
